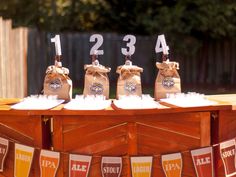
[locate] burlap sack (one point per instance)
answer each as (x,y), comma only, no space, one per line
(168,79)
(129,81)
(96,80)
(57,82)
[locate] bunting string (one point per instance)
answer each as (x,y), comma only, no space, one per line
(79,165)
(97,156)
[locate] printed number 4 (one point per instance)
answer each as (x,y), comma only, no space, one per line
(161,45)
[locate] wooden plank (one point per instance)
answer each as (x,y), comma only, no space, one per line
(233,63)
(23,43)
(1,55)
(11,69)
(3,62)
(13,48)
(56,133)
(205,129)
(132,138)
(24,58)
(8,59)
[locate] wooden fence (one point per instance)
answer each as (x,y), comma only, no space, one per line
(214,64)
(13,64)
(26,53)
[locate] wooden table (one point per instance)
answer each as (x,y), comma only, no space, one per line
(132,133)
(118,133)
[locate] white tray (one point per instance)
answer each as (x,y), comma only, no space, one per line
(87,105)
(189,102)
(124,104)
(37,104)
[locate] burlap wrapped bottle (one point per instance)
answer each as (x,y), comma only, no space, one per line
(129,81)
(57,82)
(168,79)
(96,80)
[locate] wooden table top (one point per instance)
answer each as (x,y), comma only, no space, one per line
(225,102)
(224,99)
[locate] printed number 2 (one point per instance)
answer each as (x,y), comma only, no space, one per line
(99,41)
(131,39)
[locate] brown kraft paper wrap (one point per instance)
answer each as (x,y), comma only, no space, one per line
(57,82)
(129,81)
(168,79)
(96,80)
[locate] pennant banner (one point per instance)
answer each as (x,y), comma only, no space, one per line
(172,164)
(111,166)
(141,166)
(23,160)
(227,152)
(4,144)
(48,162)
(79,165)
(203,162)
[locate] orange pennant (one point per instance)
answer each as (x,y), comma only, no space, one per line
(172,164)
(49,162)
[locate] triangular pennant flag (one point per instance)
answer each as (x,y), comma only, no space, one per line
(79,165)
(4,144)
(23,160)
(227,152)
(111,166)
(172,164)
(141,166)
(203,162)
(49,162)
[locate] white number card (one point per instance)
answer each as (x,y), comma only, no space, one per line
(161,45)
(98,39)
(131,40)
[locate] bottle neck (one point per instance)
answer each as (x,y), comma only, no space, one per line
(128,61)
(58,61)
(165,57)
(58,58)
(95,60)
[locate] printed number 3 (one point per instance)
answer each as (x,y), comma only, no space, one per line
(131,39)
